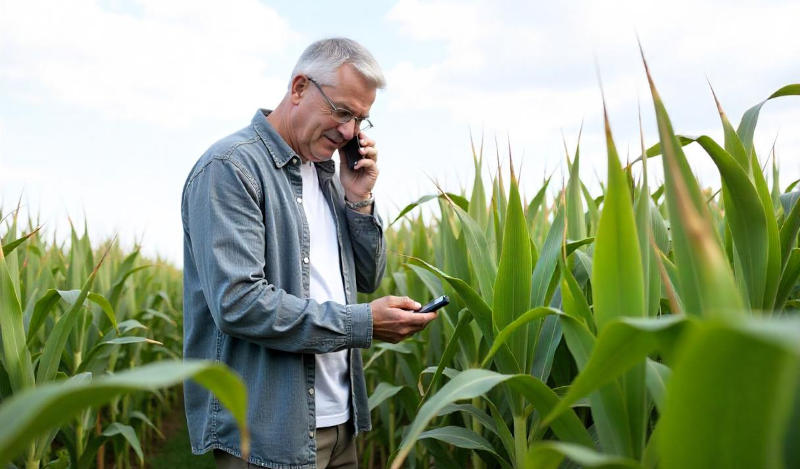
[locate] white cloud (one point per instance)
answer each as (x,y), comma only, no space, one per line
(192,71)
(161,64)
(526,69)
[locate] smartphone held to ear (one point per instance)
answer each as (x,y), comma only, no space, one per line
(438,303)
(350,151)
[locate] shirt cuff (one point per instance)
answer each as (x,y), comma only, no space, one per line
(364,222)
(360,325)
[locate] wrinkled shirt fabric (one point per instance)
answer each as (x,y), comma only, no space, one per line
(246,294)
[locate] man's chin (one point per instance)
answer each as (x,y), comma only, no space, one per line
(323,155)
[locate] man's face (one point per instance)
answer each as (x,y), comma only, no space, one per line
(316,133)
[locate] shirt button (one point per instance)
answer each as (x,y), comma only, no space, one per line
(305,260)
(299,200)
(295,161)
(311,434)
(311,391)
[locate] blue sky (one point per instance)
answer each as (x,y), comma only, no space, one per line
(105,106)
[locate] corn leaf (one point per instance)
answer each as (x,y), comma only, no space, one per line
(548,260)
(49,405)
(484,268)
(730,395)
(790,228)
(504,334)
(449,351)
(551,454)
(7,248)
(127,432)
(576,221)
(617,271)
(460,201)
(382,392)
(16,356)
(463,438)
(512,288)
(657,377)
(747,126)
(617,281)
(487,421)
(51,356)
(573,301)
(475,382)
(608,407)
(706,283)
(789,277)
(471,299)
(746,219)
(619,347)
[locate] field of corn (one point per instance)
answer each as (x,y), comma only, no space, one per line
(637,328)
(651,325)
(82,329)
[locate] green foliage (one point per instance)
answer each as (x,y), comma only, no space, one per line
(82,331)
(654,332)
(632,328)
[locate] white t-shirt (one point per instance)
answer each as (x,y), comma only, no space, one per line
(332,384)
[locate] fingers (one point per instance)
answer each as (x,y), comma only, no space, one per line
(404,302)
(367,147)
(366,163)
(369,152)
(394,318)
(413,322)
(425,318)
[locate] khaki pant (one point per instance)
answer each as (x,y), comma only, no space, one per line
(336,449)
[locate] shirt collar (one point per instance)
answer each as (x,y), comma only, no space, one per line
(280,151)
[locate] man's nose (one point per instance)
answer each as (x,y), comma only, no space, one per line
(348,130)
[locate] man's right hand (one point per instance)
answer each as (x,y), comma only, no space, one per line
(394,319)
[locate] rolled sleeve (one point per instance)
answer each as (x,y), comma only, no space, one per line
(361,325)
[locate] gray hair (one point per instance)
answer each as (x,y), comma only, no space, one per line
(323,58)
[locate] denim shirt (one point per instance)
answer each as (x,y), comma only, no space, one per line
(246,294)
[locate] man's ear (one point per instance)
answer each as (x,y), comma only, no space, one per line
(299,86)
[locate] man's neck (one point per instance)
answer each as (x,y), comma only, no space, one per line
(278,120)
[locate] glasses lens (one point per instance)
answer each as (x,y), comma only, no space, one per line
(365,125)
(342,116)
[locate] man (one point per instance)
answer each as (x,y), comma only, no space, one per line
(275,248)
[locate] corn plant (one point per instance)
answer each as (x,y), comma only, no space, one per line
(79,328)
(635,329)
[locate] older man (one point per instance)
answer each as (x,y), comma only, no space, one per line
(275,248)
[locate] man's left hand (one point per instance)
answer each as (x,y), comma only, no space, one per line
(358,183)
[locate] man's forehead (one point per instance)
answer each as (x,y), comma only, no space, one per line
(353,92)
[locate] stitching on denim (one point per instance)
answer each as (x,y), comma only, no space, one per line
(267,142)
(214,401)
(250,178)
(272,153)
(369,328)
(227,157)
(378,249)
(348,323)
(223,155)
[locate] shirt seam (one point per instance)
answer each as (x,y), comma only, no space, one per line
(227,156)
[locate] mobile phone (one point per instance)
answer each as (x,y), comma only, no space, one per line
(440,302)
(350,151)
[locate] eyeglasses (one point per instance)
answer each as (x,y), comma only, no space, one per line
(342,115)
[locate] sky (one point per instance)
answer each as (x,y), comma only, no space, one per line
(106,105)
